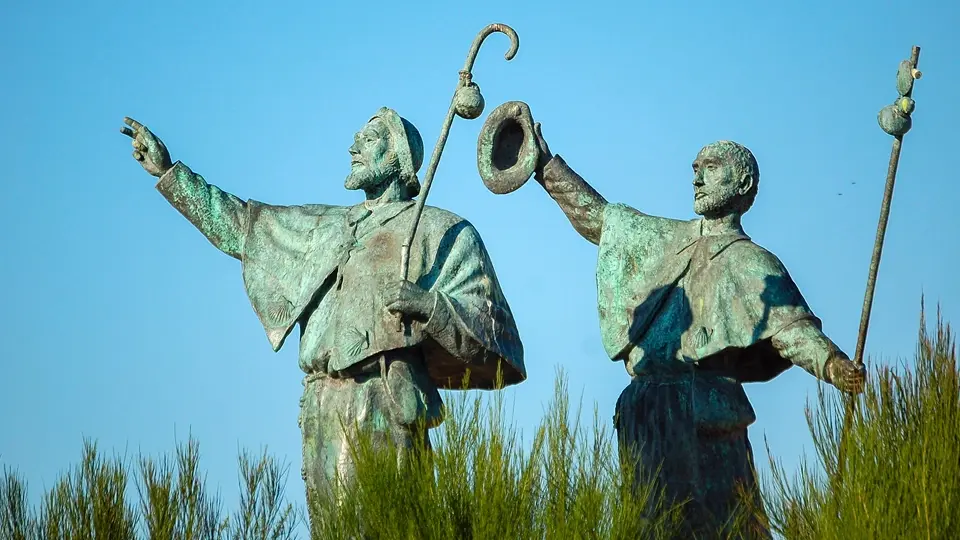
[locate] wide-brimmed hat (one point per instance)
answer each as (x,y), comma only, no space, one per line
(507,149)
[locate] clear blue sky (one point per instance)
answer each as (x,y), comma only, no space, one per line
(122,323)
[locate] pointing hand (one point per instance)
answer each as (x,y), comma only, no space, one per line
(147,148)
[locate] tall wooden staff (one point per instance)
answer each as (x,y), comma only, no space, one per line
(467,103)
(895,120)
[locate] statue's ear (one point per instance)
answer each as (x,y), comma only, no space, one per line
(746,184)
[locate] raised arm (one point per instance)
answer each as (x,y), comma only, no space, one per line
(581,203)
(220,216)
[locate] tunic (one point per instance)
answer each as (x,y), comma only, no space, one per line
(692,317)
(323,268)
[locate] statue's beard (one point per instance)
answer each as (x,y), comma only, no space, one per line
(372,176)
(366,178)
(714,203)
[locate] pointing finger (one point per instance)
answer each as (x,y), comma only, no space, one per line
(132,123)
(128,132)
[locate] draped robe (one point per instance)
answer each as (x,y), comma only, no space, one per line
(324,268)
(692,317)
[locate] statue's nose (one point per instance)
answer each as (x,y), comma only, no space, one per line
(355,146)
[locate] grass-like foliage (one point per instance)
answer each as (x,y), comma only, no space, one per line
(900,470)
(481,480)
(94,501)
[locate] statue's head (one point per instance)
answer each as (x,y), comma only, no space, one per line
(725,179)
(388,149)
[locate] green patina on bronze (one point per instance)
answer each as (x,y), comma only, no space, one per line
(347,275)
(693,308)
(895,119)
(334,271)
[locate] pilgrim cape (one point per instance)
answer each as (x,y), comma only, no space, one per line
(292,257)
(740,296)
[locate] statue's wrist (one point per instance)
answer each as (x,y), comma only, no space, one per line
(166,176)
(833,369)
(429,304)
(439,317)
(828,370)
(542,170)
(545,160)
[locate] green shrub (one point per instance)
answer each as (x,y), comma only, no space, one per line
(900,477)
(479,482)
(91,502)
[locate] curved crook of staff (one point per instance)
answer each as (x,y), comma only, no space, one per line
(490,29)
(467,103)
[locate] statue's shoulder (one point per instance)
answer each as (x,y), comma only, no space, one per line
(293,217)
(625,227)
(748,257)
(305,210)
(319,209)
(626,215)
(443,219)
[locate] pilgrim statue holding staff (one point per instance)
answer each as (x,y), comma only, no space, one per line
(336,273)
(693,309)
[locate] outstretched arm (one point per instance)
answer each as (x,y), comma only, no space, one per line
(581,203)
(220,216)
(805,345)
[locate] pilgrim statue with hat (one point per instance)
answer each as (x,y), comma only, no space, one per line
(334,272)
(692,308)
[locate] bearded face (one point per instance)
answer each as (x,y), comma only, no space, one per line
(717,183)
(372,164)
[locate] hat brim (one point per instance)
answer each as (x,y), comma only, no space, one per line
(507,150)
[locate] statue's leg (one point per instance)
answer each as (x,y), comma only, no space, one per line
(333,410)
(362,401)
(413,402)
(731,492)
(323,443)
(656,434)
(759,523)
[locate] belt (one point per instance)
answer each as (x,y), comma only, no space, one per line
(374,366)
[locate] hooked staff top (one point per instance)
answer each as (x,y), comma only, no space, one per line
(490,29)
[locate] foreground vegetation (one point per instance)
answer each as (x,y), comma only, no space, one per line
(898,478)
(173,501)
(480,482)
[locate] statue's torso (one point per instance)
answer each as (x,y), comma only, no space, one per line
(348,322)
(670,297)
(680,331)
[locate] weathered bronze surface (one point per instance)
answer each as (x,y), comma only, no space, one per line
(507,150)
(334,272)
(693,309)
